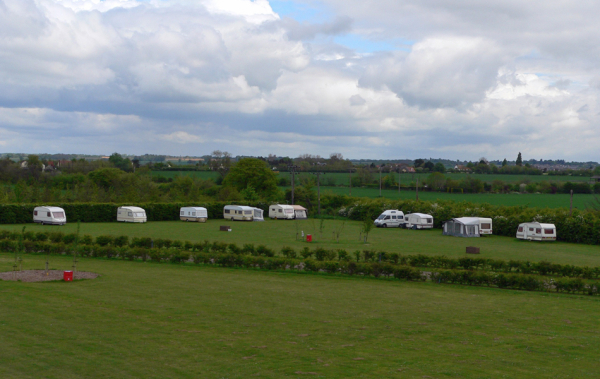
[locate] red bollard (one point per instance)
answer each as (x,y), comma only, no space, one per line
(68,276)
(309,238)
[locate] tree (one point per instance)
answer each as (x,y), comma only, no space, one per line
(119,162)
(220,162)
(504,162)
(419,162)
(255,173)
(519,160)
(429,165)
(436,180)
(439,167)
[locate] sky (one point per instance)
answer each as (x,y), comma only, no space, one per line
(388,79)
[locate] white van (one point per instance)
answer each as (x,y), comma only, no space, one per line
(242,213)
(391,218)
(49,215)
(418,221)
(196,214)
(131,214)
(281,211)
(535,231)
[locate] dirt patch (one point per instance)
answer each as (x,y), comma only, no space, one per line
(40,275)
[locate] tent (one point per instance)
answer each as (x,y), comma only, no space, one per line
(462,227)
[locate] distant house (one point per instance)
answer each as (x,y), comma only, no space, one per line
(24,164)
(406,168)
(462,168)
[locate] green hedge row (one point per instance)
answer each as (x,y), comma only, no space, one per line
(91,212)
(43,242)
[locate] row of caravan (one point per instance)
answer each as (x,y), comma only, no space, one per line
(463,226)
(49,215)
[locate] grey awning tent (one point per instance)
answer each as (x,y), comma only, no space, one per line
(462,227)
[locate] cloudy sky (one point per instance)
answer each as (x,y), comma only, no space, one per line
(384,79)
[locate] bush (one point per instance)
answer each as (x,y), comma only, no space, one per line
(86,239)
(121,241)
(104,240)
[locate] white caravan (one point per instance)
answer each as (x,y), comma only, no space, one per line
(242,213)
(281,211)
(391,218)
(49,215)
(418,221)
(535,231)
(196,214)
(131,214)
(300,212)
(485,226)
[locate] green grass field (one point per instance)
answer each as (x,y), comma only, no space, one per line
(580,201)
(342,178)
(276,234)
(147,320)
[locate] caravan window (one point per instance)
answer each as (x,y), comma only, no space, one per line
(429,220)
(193,213)
(531,229)
(289,211)
(249,212)
(48,214)
(538,231)
(35,213)
(548,231)
(182,213)
(139,214)
(520,229)
(227,211)
(279,210)
(58,214)
(488,226)
(393,217)
(130,214)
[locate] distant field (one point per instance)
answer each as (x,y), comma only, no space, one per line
(342,178)
(148,320)
(276,234)
(580,201)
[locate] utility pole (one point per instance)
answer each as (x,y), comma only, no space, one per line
(318,174)
(292,169)
(350,182)
(417,189)
(380,167)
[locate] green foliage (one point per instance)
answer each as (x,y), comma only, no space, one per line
(255,174)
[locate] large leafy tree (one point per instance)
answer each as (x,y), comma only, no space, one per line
(255,173)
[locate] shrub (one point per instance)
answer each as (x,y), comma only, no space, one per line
(121,241)
(69,238)
(39,236)
(86,239)
(104,240)
(288,252)
(306,253)
(320,254)
(55,237)
(248,249)
(342,255)
(263,250)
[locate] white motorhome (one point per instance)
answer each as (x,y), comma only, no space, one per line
(131,214)
(391,218)
(535,231)
(242,213)
(300,212)
(196,214)
(49,215)
(418,221)
(281,211)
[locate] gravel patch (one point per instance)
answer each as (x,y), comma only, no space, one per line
(40,275)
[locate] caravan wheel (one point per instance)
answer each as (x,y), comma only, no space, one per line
(384,226)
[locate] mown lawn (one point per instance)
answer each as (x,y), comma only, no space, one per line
(147,320)
(277,234)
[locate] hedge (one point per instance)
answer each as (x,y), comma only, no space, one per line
(44,242)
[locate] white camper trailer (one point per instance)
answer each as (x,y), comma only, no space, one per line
(281,211)
(242,213)
(485,226)
(196,214)
(418,221)
(131,214)
(300,212)
(535,231)
(391,218)
(49,215)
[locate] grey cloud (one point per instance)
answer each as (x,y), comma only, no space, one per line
(356,100)
(300,31)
